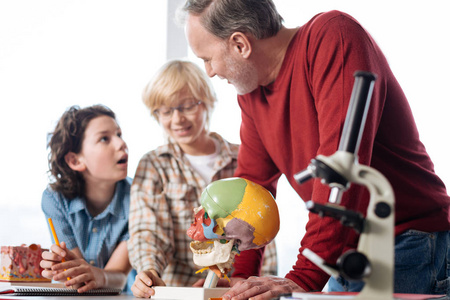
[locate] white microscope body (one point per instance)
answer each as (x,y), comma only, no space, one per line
(373,260)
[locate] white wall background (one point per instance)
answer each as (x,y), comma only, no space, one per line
(57,53)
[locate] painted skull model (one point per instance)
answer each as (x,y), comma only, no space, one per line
(235,215)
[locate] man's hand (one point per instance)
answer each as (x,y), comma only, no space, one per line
(144,281)
(261,288)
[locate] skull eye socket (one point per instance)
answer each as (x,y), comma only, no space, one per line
(206,219)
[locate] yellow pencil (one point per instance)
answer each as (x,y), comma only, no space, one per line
(55,237)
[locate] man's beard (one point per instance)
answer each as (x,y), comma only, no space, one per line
(244,76)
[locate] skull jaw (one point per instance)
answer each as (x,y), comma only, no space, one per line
(213,253)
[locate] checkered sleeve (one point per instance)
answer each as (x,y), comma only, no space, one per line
(150,226)
(270,264)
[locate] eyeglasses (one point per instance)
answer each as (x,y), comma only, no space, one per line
(188,108)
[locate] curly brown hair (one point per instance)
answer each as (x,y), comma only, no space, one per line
(68,137)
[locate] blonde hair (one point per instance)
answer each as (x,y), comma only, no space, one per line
(176,76)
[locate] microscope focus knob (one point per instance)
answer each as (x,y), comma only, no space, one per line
(382,209)
(353,265)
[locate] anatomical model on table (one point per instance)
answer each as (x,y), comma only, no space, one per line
(235,215)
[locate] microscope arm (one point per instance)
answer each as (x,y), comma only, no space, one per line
(373,261)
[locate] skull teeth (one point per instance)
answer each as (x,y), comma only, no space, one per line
(201,247)
(213,252)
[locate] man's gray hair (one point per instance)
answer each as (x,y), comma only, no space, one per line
(222,18)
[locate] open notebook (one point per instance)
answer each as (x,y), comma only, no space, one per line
(350,295)
(50,289)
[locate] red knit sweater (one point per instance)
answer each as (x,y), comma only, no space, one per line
(301,114)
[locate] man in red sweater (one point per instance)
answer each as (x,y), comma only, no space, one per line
(294,86)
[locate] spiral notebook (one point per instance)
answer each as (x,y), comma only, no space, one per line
(27,290)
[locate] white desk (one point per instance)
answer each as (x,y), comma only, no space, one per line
(118,297)
(129,297)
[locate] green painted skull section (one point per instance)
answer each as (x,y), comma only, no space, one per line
(220,200)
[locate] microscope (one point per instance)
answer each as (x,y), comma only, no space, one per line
(373,260)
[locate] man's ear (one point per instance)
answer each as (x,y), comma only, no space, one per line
(73,161)
(241,44)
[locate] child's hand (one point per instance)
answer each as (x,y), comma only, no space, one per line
(57,255)
(144,281)
(83,276)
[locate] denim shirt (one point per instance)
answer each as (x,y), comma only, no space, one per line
(96,237)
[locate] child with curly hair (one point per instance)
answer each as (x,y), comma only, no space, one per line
(88,200)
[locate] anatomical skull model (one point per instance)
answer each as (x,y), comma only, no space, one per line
(235,215)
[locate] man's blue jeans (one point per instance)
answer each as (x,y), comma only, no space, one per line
(422,265)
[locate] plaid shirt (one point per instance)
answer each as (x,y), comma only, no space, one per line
(164,193)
